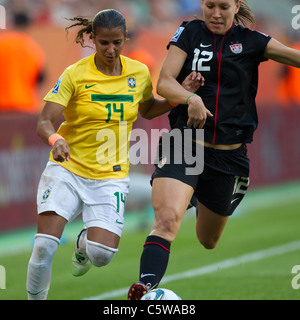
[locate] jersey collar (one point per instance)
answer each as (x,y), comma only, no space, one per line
(92,63)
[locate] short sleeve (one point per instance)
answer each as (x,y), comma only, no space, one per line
(260,41)
(147,94)
(62,91)
(180,38)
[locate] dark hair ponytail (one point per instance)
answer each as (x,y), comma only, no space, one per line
(88,28)
(106,19)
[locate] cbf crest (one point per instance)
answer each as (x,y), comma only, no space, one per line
(131,82)
(46,194)
(236,48)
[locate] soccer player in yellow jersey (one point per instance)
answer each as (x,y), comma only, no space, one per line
(87,172)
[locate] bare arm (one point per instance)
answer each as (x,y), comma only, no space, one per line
(156,107)
(45,128)
(170,88)
(277,51)
(153,108)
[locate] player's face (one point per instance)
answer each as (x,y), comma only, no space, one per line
(109,44)
(219,14)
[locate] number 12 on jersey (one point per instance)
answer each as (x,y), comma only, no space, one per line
(206,56)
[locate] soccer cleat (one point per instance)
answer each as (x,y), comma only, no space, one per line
(80,261)
(136,291)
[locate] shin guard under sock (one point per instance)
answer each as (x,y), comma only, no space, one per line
(154,260)
(39,267)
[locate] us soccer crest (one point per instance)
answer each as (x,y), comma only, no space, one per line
(236,48)
(131,82)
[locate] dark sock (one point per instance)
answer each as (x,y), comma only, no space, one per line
(154,260)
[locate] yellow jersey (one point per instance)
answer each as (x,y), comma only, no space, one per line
(99,112)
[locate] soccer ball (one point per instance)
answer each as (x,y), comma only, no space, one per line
(160,294)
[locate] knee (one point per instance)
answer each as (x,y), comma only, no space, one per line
(208,243)
(44,248)
(99,254)
(166,223)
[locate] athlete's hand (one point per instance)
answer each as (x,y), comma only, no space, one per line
(61,151)
(193,81)
(197,112)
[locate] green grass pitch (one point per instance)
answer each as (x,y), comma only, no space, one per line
(257,226)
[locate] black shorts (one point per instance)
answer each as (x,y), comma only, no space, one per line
(223,182)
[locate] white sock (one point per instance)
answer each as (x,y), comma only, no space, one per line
(99,254)
(39,267)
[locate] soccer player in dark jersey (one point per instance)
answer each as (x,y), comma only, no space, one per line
(227,54)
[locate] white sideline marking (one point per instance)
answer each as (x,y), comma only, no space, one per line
(221,265)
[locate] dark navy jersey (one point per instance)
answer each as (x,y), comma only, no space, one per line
(229,64)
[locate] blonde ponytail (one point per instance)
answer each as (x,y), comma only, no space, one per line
(245,16)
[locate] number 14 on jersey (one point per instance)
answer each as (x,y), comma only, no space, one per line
(112,107)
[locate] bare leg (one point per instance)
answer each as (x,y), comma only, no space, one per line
(170,198)
(51,223)
(209,226)
(103,236)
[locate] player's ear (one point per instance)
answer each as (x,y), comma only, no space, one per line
(93,37)
(238,5)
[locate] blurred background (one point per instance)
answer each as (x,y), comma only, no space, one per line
(36,27)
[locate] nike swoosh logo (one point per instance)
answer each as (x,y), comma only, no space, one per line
(143,275)
(87,87)
(205,45)
(235,200)
(117,221)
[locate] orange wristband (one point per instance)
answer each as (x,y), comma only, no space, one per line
(53,138)
(173,104)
